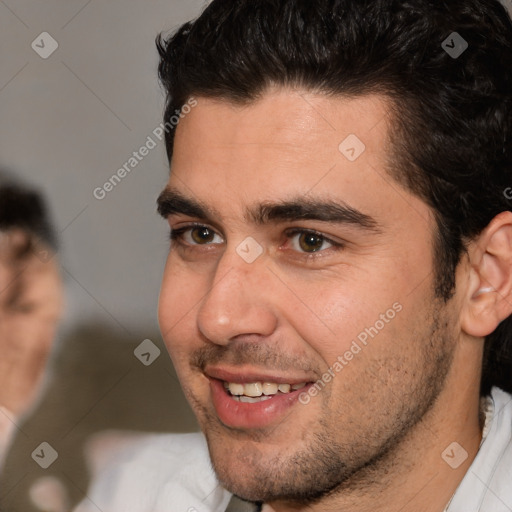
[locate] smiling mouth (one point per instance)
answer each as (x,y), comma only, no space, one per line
(255,392)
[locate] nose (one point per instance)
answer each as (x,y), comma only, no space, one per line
(239,302)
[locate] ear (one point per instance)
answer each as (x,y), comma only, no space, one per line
(488,298)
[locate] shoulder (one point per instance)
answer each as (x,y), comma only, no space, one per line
(153,472)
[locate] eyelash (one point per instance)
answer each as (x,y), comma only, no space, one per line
(176,235)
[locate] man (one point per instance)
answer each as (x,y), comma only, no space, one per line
(338,290)
(30,301)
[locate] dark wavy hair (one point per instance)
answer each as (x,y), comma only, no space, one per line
(452,127)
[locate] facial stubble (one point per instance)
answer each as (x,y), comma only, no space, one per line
(347,448)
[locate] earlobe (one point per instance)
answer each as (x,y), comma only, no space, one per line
(489,293)
(481,315)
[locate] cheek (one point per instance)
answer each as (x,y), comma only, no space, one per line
(333,314)
(179,301)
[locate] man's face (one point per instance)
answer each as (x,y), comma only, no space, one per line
(338,269)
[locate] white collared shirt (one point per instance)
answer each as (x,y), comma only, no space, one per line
(487,485)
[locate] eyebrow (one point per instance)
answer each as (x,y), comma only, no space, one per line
(309,209)
(172,202)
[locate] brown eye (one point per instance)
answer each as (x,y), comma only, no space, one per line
(202,235)
(311,242)
(195,236)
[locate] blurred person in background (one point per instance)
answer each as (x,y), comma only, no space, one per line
(30,301)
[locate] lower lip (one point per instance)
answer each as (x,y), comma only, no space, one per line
(251,415)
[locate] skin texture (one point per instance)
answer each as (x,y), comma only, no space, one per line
(30,307)
(372,438)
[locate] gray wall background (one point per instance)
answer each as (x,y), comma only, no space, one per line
(70,121)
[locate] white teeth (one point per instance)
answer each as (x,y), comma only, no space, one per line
(236,389)
(253,390)
(270,388)
(252,400)
(259,389)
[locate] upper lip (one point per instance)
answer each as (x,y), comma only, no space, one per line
(246,375)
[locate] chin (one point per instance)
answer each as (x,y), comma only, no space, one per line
(253,471)
(240,464)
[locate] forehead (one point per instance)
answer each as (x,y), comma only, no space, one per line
(287,124)
(287,144)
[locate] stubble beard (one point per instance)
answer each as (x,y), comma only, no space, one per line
(329,464)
